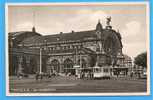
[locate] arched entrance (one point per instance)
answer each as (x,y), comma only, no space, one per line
(68,66)
(33,66)
(83,63)
(55,66)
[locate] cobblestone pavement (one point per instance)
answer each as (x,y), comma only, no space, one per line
(70,84)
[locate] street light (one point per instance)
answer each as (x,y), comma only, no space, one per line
(40,69)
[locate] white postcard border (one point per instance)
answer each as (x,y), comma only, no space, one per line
(77,94)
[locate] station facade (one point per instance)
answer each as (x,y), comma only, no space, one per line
(31,52)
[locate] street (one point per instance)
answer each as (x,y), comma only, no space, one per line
(69,84)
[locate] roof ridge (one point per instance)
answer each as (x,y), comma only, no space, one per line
(68,33)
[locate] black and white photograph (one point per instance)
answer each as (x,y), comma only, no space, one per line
(77,49)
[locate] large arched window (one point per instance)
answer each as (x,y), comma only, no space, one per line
(33,66)
(68,66)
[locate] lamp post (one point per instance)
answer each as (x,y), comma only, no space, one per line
(80,60)
(40,69)
(40,59)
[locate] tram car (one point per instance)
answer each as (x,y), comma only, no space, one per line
(102,72)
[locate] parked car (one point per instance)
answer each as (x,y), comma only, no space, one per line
(144,76)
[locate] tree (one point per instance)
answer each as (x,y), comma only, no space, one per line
(141,60)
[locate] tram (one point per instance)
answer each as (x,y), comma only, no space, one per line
(102,72)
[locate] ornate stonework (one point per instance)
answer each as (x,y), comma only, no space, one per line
(62,51)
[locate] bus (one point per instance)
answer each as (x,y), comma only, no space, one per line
(101,72)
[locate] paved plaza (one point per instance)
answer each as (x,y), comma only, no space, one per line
(70,84)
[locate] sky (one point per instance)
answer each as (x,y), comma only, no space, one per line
(129,19)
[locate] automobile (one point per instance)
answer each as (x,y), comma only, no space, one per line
(144,76)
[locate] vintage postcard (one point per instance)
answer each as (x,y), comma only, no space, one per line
(77,49)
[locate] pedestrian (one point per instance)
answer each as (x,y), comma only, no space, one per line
(83,75)
(117,74)
(19,75)
(37,76)
(131,75)
(90,75)
(139,76)
(41,76)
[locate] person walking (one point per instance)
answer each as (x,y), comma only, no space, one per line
(37,76)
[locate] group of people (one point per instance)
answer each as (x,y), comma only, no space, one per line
(86,75)
(21,75)
(44,75)
(38,76)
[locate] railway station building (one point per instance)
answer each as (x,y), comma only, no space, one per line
(31,52)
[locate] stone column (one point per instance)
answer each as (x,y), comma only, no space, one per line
(28,64)
(61,64)
(61,67)
(102,49)
(47,67)
(38,64)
